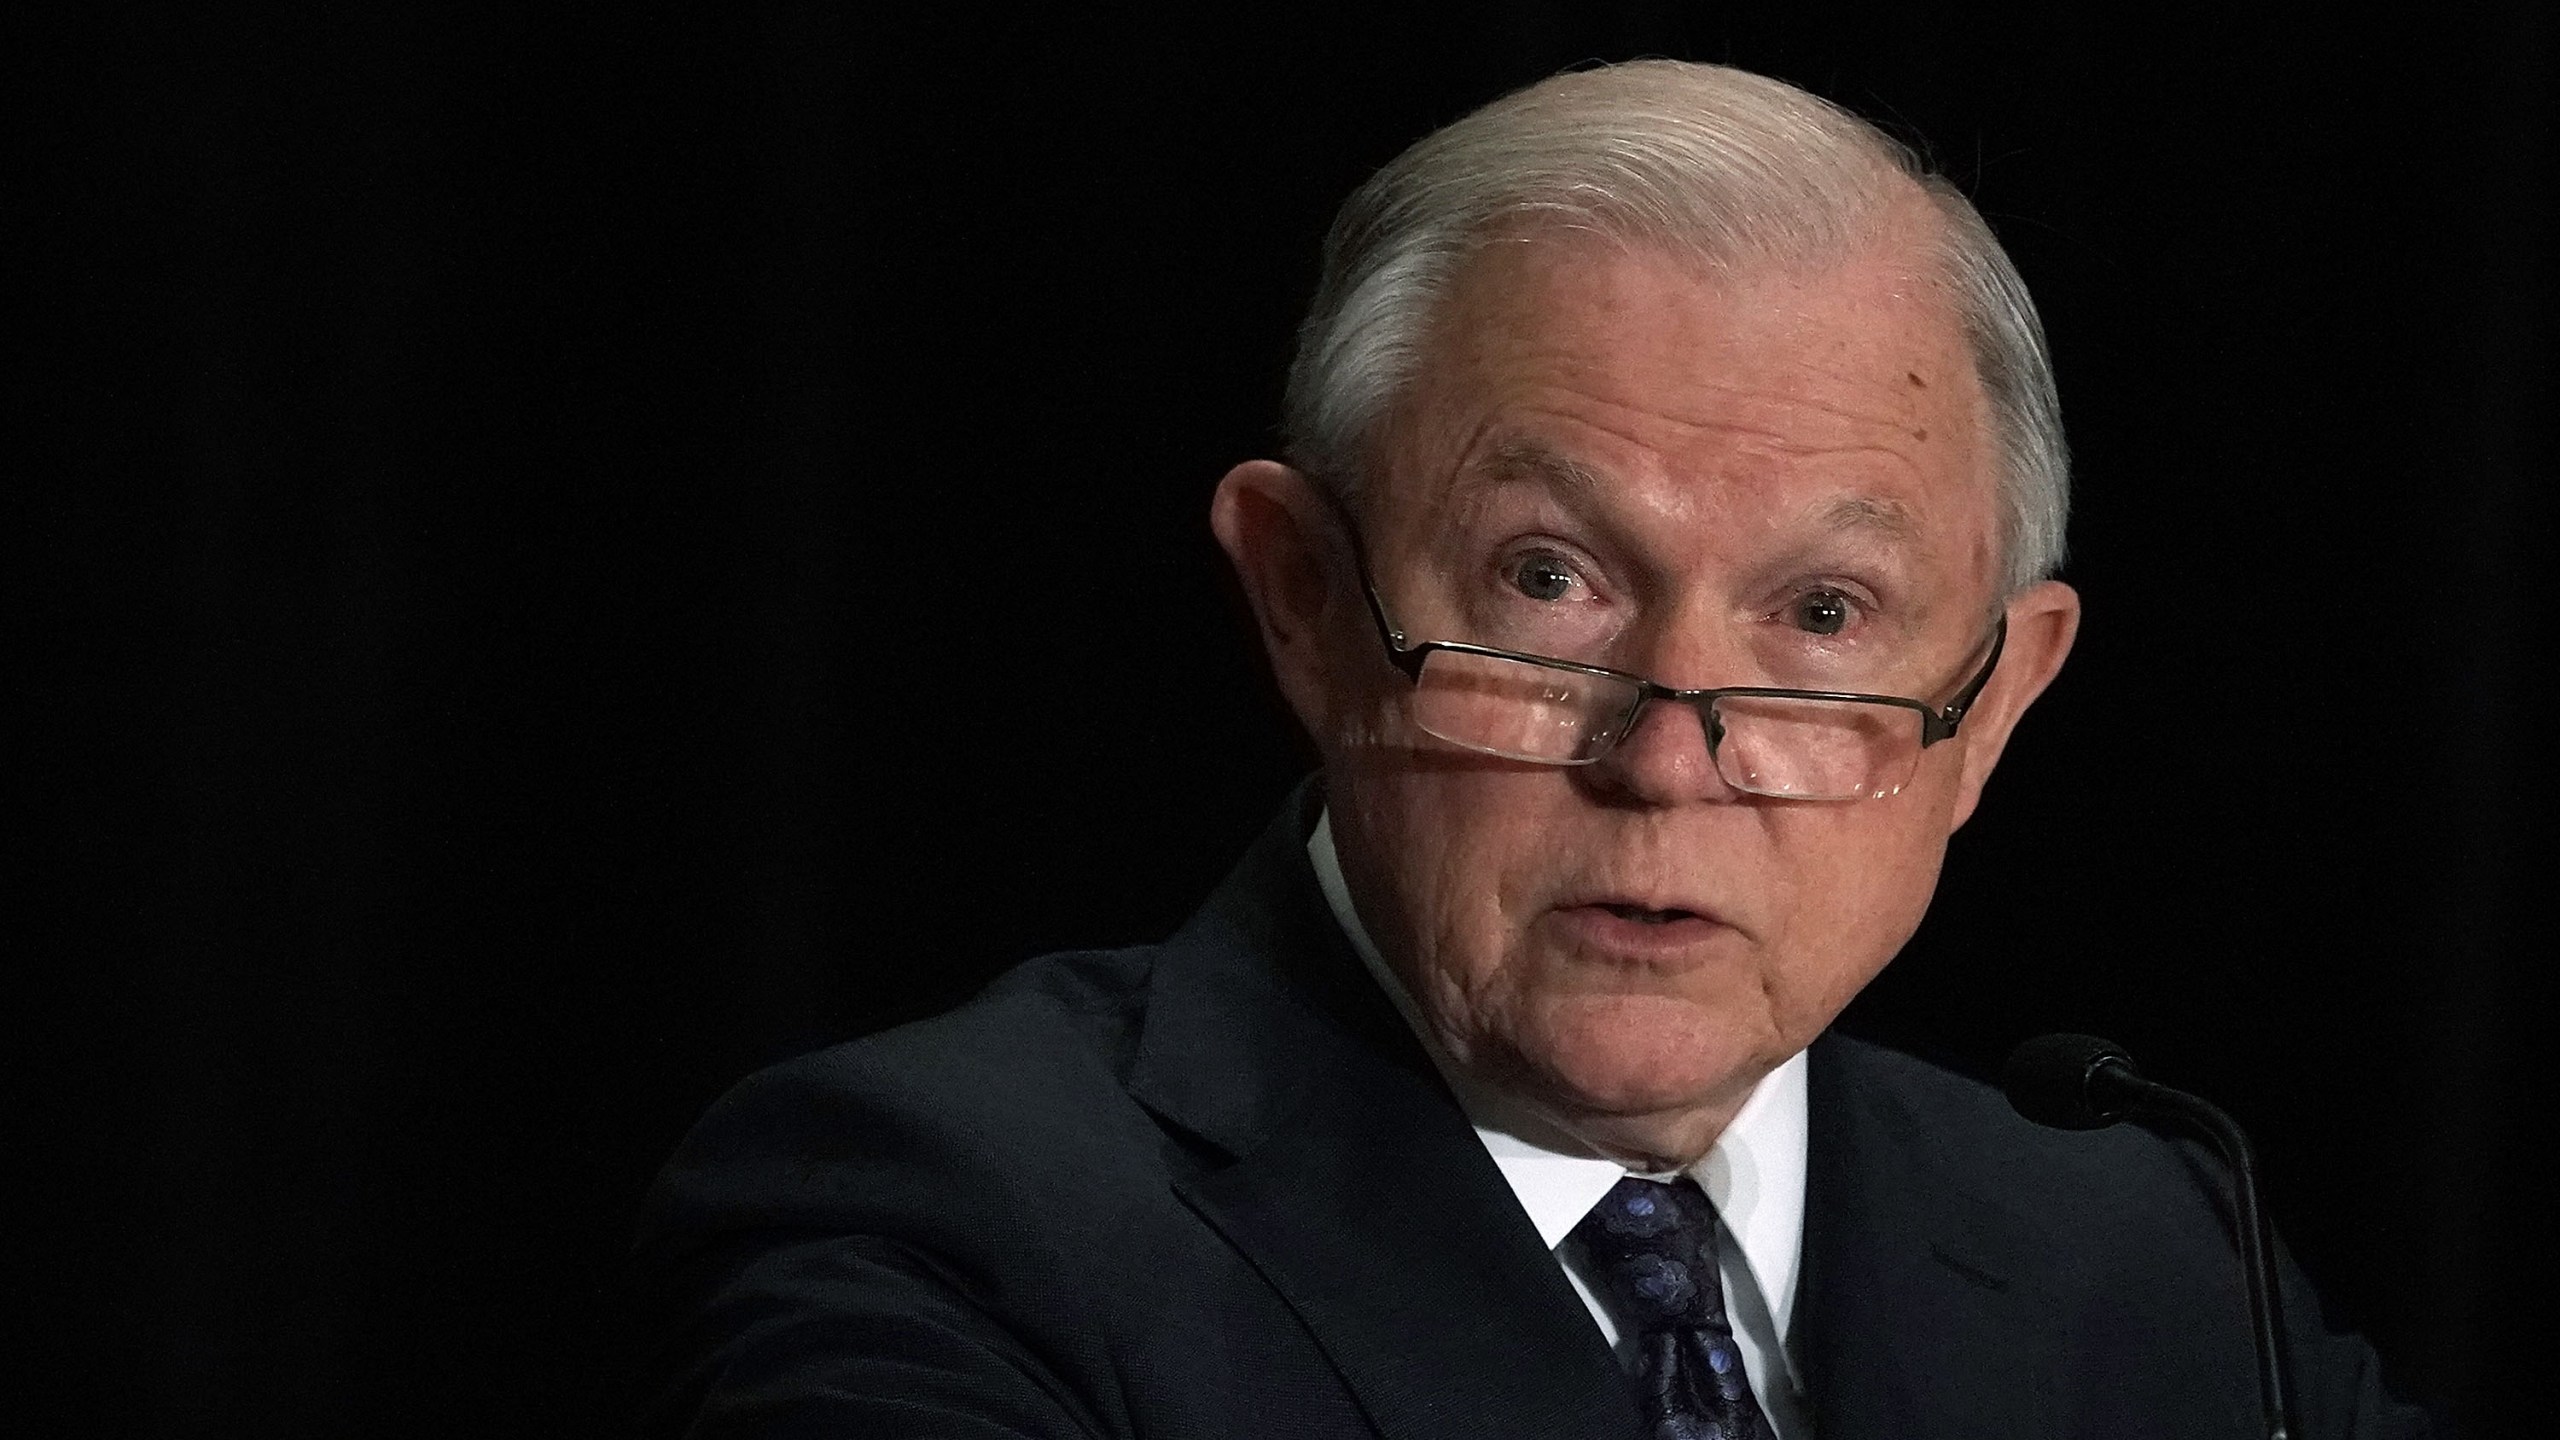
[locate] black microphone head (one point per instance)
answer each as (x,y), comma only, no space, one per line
(2047,1080)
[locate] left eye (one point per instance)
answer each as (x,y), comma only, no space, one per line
(1541,578)
(1821,612)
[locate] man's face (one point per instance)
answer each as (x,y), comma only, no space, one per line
(1774,479)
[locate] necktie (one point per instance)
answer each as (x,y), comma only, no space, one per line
(1652,1248)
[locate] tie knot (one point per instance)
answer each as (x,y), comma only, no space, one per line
(1654,1245)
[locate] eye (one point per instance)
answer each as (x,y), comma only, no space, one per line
(1820,612)
(1541,577)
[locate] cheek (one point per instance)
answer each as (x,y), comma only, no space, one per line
(1860,884)
(1362,720)
(1450,837)
(1458,858)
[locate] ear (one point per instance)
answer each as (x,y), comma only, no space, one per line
(1278,532)
(2043,620)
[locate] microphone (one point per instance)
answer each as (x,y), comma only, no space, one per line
(2080,1082)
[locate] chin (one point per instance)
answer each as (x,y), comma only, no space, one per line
(1631,1056)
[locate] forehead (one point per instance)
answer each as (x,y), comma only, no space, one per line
(1726,404)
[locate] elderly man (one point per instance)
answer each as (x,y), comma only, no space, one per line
(1661,564)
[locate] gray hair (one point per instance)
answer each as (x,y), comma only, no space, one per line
(1726,166)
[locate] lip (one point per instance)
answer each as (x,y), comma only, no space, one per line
(1638,929)
(1650,900)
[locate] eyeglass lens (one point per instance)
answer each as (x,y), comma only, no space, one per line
(1776,746)
(1523,712)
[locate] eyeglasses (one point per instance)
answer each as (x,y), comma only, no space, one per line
(1765,740)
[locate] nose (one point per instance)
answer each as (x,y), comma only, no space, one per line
(1667,757)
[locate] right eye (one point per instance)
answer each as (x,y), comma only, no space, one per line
(1541,577)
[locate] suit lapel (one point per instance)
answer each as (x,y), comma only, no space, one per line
(1414,1268)
(1356,1187)
(1922,1312)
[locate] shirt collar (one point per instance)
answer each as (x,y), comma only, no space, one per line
(1755,1173)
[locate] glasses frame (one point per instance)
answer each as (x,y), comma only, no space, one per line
(1937,722)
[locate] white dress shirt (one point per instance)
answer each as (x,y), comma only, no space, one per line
(1754,1175)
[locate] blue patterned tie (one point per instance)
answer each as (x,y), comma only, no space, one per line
(1652,1249)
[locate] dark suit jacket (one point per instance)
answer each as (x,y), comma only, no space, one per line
(1213,1188)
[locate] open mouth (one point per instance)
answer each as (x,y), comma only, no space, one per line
(1643,916)
(1623,931)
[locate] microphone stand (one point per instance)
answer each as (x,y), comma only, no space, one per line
(2115,1084)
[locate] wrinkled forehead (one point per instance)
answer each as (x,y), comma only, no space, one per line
(1520,469)
(1605,375)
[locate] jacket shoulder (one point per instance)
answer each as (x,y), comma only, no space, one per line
(904,1224)
(1022,1088)
(2127,1235)
(1968,1130)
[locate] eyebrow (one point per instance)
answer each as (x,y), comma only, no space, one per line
(1516,461)
(1865,512)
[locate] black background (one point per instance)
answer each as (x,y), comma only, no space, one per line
(569,553)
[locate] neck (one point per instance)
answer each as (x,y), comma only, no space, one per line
(1654,1143)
